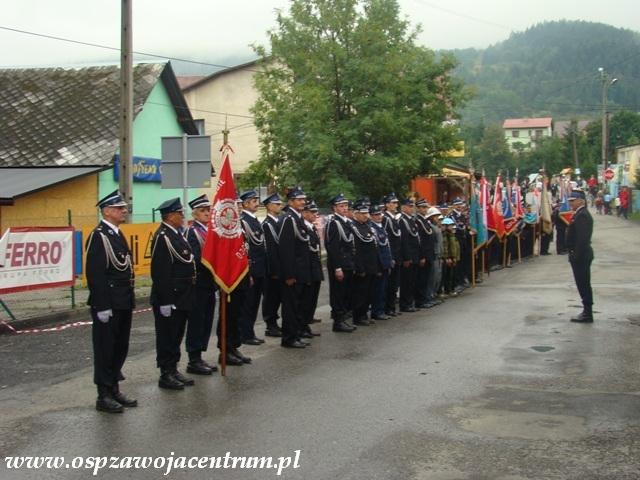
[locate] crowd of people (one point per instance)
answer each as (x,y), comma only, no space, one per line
(383,259)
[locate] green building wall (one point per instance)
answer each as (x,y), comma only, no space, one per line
(156,120)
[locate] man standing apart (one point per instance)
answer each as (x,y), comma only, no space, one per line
(200,321)
(111,298)
(580,253)
(173,272)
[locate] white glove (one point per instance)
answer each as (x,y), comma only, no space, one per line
(104,315)
(165,310)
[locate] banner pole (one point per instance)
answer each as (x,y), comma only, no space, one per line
(519,251)
(473,262)
(223,333)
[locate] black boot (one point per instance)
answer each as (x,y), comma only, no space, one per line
(122,399)
(186,381)
(105,401)
(196,365)
(586,316)
(236,353)
(169,381)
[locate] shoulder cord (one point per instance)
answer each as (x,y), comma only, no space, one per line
(377,236)
(403,219)
(426,229)
(395,233)
(274,234)
(341,233)
(298,234)
(121,266)
(255,239)
(372,238)
(312,248)
(175,255)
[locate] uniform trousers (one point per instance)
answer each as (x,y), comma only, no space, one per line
(200,322)
(582,275)
(169,334)
(309,304)
(110,346)
(234,311)
(271,299)
(407,285)
(422,283)
(292,297)
(435,277)
(339,295)
(362,290)
(249,310)
(378,299)
(392,288)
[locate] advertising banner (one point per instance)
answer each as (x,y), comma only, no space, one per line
(32,258)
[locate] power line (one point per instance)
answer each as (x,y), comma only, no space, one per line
(117,49)
(205,111)
(463,15)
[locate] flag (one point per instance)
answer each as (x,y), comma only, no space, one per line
(495,218)
(477,217)
(545,209)
(565,212)
(510,221)
(225,251)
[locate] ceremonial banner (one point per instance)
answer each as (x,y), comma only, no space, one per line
(565,213)
(545,209)
(33,258)
(494,215)
(224,251)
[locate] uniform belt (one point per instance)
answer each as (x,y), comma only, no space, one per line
(189,280)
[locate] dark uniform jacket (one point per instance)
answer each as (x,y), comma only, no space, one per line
(579,236)
(257,247)
(314,253)
(294,248)
(392,228)
(109,271)
(338,242)
(366,257)
(410,238)
(427,238)
(384,249)
(271,229)
(173,269)
(195,236)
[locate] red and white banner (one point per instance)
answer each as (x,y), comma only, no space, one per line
(36,257)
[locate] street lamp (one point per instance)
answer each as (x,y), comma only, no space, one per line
(607,81)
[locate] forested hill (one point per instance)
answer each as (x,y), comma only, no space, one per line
(551,69)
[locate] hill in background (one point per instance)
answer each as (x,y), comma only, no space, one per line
(551,69)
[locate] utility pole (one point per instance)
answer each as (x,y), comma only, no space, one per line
(607,81)
(126,107)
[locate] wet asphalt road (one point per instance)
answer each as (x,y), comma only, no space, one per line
(495,385)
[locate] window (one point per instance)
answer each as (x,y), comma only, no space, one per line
(515,133)
(538,133)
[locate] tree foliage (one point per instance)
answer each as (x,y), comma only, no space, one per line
(348,102)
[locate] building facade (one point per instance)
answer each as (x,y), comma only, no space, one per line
(523,133)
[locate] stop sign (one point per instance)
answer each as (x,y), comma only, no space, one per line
(609,174)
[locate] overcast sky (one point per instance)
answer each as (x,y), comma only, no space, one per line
(220,31)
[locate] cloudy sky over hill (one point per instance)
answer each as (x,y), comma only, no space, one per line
(220,31)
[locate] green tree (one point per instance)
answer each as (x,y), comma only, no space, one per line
(492,152)
(348,102)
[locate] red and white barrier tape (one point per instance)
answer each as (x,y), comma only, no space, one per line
(59,328)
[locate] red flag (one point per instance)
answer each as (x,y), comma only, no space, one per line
(224,251)
(495,217)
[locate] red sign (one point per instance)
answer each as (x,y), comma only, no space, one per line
(609,174)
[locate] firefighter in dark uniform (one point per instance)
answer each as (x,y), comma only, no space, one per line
(310,302)
(271,297)
(338,242)
(463,267)
(200,322)
(111,298)
(173,272)
(390,224)
(379,296)
(257,266)
(366,263)
(427,255)
(410,241)
(296,268)
(578,244)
